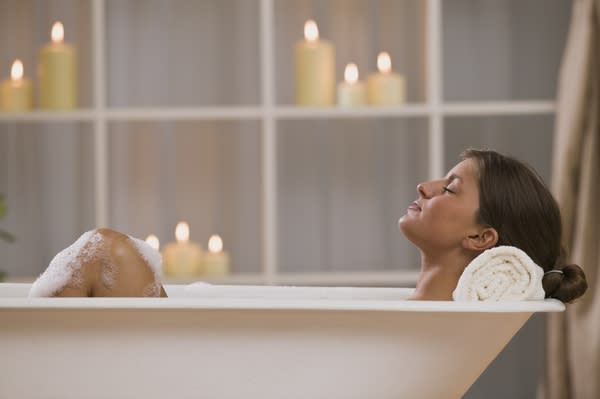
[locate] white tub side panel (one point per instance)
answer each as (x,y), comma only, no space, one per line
(222,354)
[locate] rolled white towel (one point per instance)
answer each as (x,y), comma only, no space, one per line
(500,274)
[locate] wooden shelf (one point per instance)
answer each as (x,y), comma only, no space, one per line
(373,278)
(498,108)
(293,112)
(281,112)
(80,115)
(190,113)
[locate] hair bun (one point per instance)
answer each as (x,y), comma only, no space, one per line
(566,286)
(572,268)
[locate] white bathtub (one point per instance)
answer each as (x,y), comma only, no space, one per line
(251,342)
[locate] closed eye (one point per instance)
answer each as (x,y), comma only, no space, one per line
(445,189)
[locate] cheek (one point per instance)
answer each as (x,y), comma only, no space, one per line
(447,222)
(450,210)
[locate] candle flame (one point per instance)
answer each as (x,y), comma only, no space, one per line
(58,32)
(215,244)
(16,72)
(152,240)
(311,31)
(351,73)
(384,63)
(182,232)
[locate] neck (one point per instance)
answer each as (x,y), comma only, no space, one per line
(439,275)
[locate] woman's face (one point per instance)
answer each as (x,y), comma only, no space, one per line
(444,214)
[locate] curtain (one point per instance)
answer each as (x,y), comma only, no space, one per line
(573,341)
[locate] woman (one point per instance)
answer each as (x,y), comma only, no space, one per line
(487,200)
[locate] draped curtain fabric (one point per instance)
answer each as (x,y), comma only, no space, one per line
(573,341)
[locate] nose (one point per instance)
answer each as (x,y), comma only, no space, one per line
(427,189)
(421,189)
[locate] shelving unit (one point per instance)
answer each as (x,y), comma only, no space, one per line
(276,121)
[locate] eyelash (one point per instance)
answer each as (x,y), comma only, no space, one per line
(446,189)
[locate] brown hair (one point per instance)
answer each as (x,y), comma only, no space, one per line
(514,200)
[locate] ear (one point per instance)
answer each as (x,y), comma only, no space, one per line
(485,238)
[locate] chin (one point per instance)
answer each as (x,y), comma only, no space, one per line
(404,226)
(408,228)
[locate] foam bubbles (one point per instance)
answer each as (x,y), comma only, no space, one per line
(109,272)
(65,266)
(150,255)
(152,290)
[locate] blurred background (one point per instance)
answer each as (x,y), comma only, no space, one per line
(186,112)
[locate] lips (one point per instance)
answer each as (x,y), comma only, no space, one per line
(414,206)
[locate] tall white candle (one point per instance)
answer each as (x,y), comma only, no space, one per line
(315,69)
(58,73)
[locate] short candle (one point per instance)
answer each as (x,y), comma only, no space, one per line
(385,87)
(315,69)
(16,93)
(351,92)
(216,261)
(182,258)
(153,241)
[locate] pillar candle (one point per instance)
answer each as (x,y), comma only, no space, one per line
(216,261)
(351,92)
(385,87)
(16,93)
(182,258)
(58,73)
(315,69)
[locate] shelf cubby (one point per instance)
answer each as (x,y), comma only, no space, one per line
(204,172)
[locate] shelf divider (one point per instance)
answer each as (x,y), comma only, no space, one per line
(100,128)
(435,88)
(269,144)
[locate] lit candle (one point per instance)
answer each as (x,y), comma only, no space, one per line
(16,93)
(153,241)
(315,69)
(58,73)
(385,87)
(216,261)
(351,92)
(182,258)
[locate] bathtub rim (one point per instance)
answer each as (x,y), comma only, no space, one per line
(241,303)
(545,306)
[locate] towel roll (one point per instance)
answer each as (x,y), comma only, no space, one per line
(502,273)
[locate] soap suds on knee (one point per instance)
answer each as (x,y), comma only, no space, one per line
(109,272)
(65,266)
(150,255)
(152,290)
